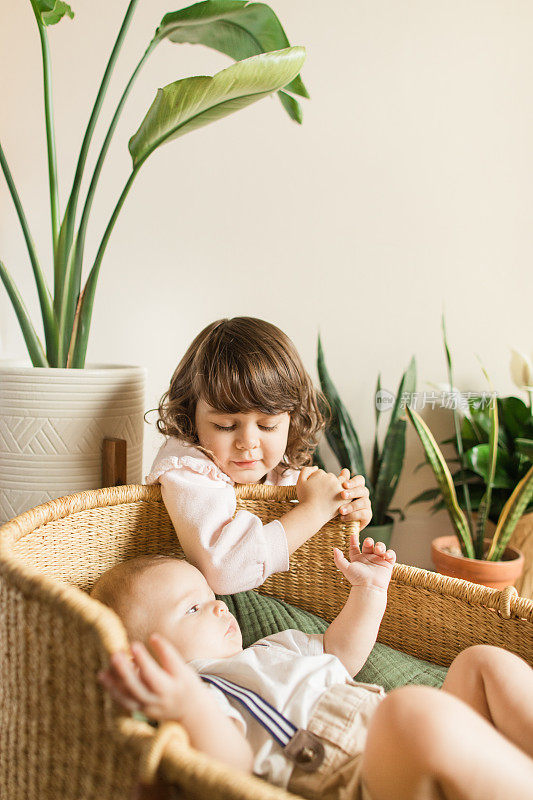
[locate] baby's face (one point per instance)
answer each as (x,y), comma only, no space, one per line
(174,599)
(247,445)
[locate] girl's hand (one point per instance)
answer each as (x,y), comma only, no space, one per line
(320,490)
(357,508)
(369,567)
(166,689)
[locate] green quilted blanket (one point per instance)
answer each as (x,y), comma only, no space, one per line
(260,616)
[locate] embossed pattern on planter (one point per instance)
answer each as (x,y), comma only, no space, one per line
(52,423)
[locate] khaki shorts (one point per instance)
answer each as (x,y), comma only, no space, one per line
(341,720)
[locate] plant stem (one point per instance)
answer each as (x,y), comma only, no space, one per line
(67,228)
(33,344)
(458,436)
(50,133)
(74,267)
(45,300)
(84,314)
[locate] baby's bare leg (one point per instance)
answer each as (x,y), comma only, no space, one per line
(498,685)
(424,744)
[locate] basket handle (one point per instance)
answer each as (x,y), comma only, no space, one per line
(152,754)
(166,759)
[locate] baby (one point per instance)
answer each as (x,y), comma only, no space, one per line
(336,738)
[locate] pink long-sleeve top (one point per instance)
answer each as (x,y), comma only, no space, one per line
(235,552)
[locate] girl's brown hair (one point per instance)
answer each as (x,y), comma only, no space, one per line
(245,364)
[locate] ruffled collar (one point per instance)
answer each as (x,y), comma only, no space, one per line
(176,453)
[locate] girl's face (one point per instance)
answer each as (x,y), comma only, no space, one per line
(248,445)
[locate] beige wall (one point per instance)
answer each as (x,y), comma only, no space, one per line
(406,190)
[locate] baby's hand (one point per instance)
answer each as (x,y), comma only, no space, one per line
(357,507)
(321,490)
(163,691)
(369,567)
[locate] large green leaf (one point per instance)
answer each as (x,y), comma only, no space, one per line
(515,415)
(191,103)
(511,513)
(392,454)
(52,11)
(236,28)
(478,460)
(340,434)
(445,482)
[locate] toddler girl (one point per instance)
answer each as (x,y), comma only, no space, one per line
(242,409)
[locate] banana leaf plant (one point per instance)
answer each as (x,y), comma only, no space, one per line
(388,458)
(250,34)
(495,473)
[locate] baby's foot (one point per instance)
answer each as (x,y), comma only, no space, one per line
(370,565)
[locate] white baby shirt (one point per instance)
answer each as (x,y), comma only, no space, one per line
(290,671)
(234,553)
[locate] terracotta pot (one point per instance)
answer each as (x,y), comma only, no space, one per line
(495,574)
(522,538)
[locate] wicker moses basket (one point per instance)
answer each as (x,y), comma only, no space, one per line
(62,738)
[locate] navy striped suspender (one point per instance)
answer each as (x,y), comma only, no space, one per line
(298,744)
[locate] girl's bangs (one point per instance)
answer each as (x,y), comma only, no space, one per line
(234,391)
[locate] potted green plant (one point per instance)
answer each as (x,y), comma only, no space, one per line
(514,457)
(522,537)
(251,35)
(514,443)
(387,458)
(493,482)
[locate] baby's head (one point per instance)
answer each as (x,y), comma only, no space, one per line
(244,373)
(160,594)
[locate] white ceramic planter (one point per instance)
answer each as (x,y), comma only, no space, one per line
(52,423)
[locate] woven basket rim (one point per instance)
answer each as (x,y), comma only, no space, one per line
(116,495)
(506,602)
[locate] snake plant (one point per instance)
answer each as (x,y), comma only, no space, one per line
(515,456)
(387,460)
(495,474)
(250,34)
